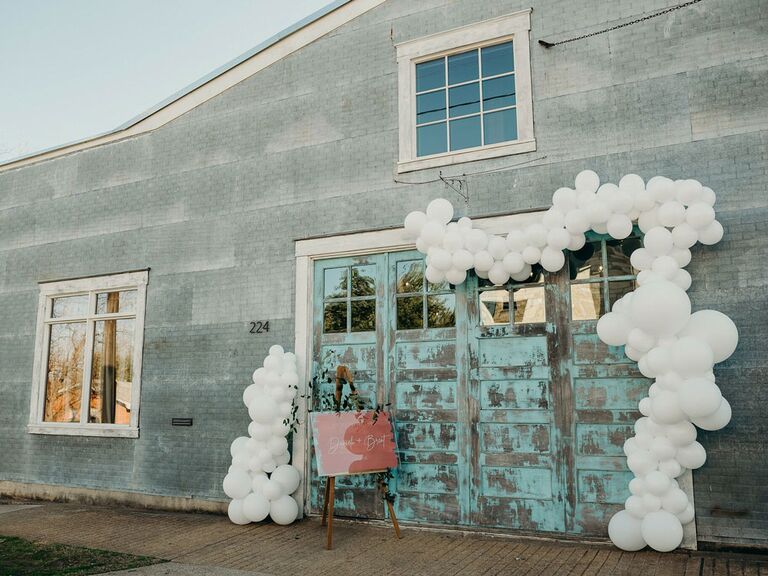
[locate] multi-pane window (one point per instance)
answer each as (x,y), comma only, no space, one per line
(89,354)
(420,303)
(349,299)
(466,100)
(514,303)
(600,274)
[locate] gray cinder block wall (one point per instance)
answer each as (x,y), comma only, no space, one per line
(213,201)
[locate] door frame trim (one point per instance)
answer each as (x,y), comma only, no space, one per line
(359,243)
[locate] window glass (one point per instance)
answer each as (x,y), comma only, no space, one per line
(112,302)
(430,75)
(410,312)
(335,317)
(70,306)
(500,126)
(410,276)
(441,311)
(439,287)
(465,133)
(529,305)
(462,67)
(431,139)
(363,315)
(430,107)
(498,59)
(112,372)
(64,382)
(464,99)
(364,280)
(335,282)
(587,262)
(618,252)
(587,301)
(498,92)
(618,288)
(494,307)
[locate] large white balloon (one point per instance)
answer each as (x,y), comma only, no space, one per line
(237,484)
(717,420)
(236,513)
(440,210)
(625,531)
(284,510)
(662,531)
(255,507)
(613,328)
(414,222)
(716,329)
(288,477)
(660,308)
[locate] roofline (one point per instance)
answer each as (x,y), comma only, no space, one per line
(285,42)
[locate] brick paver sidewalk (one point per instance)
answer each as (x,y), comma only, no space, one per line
(211,540)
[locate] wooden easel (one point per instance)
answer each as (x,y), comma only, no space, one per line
(343,374)
(330,488)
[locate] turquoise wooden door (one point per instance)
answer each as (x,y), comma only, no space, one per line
(509,412)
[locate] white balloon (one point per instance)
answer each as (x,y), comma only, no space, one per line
(657,482)
(497,247)
(671,213)
(691,356)
(648,220)
(682,256)
(712,234)
(483,261)
(671,468)
(237,484)
(272,490)
(453,240)
(465,223)
(276,350)
(587,180)
(238,445)
(619,226)
(456,276)
(717,420)
(262,409)
(684,235)
(658,241)
(651,502)
(681,434)
(516,241)
(553,218)
(708,196)
(434,275)
(663,448)
(558,238)
(523,275)
(288,477)
(687,515)
(700,215)
(531,255)
(577,242)
(584,198)
(641,259)
(576,222)
(625,531)
(634,505)
(640,340)
(716,329)
(476,240)
(236,513)
(692,456)
(645,407)
(440,259)
(674,501)
(662,531)
(259,431)
(699,397)
(643,201)
(688,191)
(432,233)
(665,266)
(552,260)
(666,409)
(660,308)
(284,510)
(513,263)
(613,328)
(637,487)
(255,507)
(598,212)
(564,199)
(633,354)
(498,274)
(536,235)
(414,222)
(661,188)
(641,462)
(440,210)
(682,278)
(463,260)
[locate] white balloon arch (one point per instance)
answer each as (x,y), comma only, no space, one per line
(654,323)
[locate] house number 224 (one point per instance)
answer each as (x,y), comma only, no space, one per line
(259,327)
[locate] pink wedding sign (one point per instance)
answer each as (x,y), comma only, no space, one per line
(353,442)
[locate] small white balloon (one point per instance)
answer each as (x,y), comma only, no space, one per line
(692,456)
(513,263)
(674,501)
(284,510)
(658,241)
(536,235)
(434,275)
(681,434)
(237,484)
(700,215)
(619,226)
(684,235)
(671,213)
(255,507)
(440,210)
(288,477)
(699,397)
(483,261)
(516,241)
(236,513)
(587,180)
(712,234)
(456,276)
(558,238)
(552,260)
(498,274)
(463,260)
(531,255)
(414,222)
(576,222)
(497,247)
(476,240)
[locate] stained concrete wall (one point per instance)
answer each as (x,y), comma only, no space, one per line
(213,200)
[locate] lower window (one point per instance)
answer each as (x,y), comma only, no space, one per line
(88,356)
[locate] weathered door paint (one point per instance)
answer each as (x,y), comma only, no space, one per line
(516,425)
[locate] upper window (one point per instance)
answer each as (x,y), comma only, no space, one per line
(88,356)
(349,299)
(466,94)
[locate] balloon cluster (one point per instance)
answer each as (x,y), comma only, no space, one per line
(260,480)
(654,323)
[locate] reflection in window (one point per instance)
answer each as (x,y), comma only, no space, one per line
(64,384)
(112,372)
(473,120)
(335,317)
(441,311)
(410,312)
(70,306)
(112,302)
(350,299)
(528,301)
(494,307)
(529,305)
(421,304)
(335,282)
(600,274)
(363,315)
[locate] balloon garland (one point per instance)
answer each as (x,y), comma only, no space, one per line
(654,323)
(260,480)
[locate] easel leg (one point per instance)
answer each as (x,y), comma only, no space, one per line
(394,518)
(325,500)
(331,495)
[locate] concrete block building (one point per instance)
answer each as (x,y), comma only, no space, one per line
(145,272)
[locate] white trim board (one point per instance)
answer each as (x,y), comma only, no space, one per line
(284,44)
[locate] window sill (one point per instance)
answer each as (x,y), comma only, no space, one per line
(450,158)
(102,430)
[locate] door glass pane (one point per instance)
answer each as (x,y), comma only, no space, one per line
(619,288)
(430,107)
(410,312)
(500,126)
(69,306)
(494,307)
(112,372)
(587,301)
(63,390)
(465,133)
(498,59)
(462,67)
(430,75)
(529,305)
(335,317)
(499,92)
(111,302)
(441,311)
(587,262)
(364,280)
(464,100)
(431,139)
(363,315)
(336,282)
(618,253)
(410,276)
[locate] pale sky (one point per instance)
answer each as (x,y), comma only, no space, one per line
(75,68)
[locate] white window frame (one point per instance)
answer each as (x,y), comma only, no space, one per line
(48,291)
(515,27)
